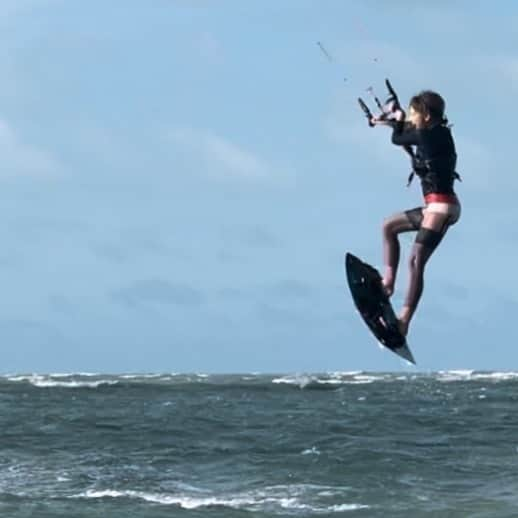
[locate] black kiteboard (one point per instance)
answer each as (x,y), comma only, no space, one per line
(374,306)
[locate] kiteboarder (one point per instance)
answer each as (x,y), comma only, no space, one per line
(426,136)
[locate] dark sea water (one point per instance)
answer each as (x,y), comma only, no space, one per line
(335,444)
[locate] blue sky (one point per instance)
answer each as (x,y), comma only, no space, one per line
(180,181)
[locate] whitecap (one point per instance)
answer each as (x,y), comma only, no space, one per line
(454,375)
(301,381)
(139,376)
(72,384)
(273,499)
(20,378)
(311,451)
(186,502)
(366,377)
(460,372)
(304,380)
(72,374)
(346,507)
(496,376)
(342,374)
(330,381)
(471,375)
(41,381)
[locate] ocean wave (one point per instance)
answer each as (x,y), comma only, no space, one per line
(334,379)
(471,375)
(311,381)
(90,380)
(302,381)
(70,374)
(496,376)
(130,376)
(50,381)
(275,499)
(311,451)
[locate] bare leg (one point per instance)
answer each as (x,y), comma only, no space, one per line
(407,221)
(433,228)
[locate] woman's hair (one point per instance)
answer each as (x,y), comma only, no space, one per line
(429,103)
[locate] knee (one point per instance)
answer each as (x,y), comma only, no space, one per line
(388,227)
(429,238)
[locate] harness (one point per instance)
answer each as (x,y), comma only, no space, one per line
(423,167)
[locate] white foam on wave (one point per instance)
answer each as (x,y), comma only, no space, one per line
(157,498)
(359,377)
(328,381)
(19,378)
(276,499)
(311,451)
(367,378)
(460,372)
(71,374)
(471,375)
(346,507)
(345,378)
(301,381)
(496,376)
(73,384)
(38,380)
(140,376)
(453,375)
(33,376)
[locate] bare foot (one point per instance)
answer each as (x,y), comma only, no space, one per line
(388,287)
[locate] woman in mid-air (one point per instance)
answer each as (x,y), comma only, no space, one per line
(434,163)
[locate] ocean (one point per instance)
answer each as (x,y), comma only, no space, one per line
(353,444)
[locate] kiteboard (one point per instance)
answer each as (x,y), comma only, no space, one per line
(374,306)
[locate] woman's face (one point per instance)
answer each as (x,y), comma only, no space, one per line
(416,118)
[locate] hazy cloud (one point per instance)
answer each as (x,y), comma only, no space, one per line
(8,8)
(128,243)
(110,252)
(210,48)
(158,291)
(255,236)
(291,288)
(225,159)
(19,158)
(274,315)
(506,67)
(20,331)
(62,304)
